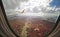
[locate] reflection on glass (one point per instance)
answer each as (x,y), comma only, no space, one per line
(31,18)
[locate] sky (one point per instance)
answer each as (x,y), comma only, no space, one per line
(55,3)
(32,7)
(44,8)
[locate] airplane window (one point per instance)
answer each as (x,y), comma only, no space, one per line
(32,18)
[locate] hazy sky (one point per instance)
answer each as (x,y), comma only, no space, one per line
(33,6)
(46,8)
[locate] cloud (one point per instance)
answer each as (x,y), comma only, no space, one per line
(32,8)
(41,6)
(35,3)
(11,4)
(35,6)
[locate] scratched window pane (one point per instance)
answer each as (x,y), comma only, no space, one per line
(32,18)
